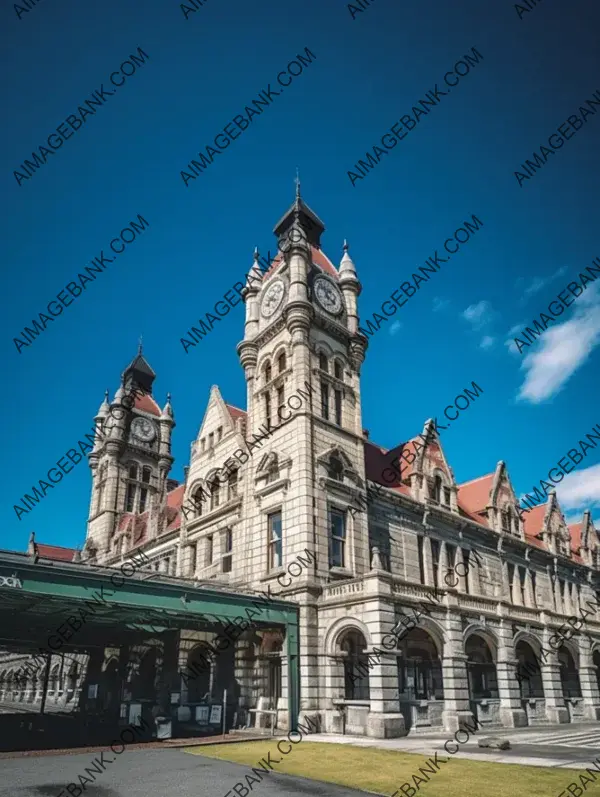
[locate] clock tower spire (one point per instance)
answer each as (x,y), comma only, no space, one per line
(130,464)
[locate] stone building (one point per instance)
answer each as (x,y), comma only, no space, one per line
(288,476)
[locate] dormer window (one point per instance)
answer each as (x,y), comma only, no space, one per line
(447,496)
(505,514)
(436,494)
(335,469)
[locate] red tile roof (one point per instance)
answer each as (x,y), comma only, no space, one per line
(377,459)
(319,258)
(533,522)
(575,532)
(174,502)
(55,552)
(474,496)
(236,412)
(147,404)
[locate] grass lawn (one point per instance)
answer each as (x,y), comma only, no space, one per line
(385,771)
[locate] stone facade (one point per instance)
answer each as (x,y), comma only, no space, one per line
(290,475)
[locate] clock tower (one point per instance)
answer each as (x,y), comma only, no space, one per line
(130,465)
(302,353)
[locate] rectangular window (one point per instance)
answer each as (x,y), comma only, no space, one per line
(451,553)
(325,401)
(143,499)
(268,409)
(421,559)
(193,552)
(280,399)
(435,561)
(468,564)
(275,552)
(228,548)
(447,496)
(533,587)
(337,537)
(130,497)
(338,406)
(209,550)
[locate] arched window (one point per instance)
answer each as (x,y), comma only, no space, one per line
(356,666)
(198,498)
(146,473)
(214,487)
(281,362)
(419,668)
(337,370)
(437,488)
(323,363)
(506,524)
(232,485)
(335,469)
(133,471)
(268,372)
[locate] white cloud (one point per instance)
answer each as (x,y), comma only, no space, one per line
(537,283)
(478,314)
(580,490)
(560,351)
(486,342)
(395,327)
(440,304)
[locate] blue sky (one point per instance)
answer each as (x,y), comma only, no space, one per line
(459,160)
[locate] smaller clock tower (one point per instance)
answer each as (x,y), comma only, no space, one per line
(130,465)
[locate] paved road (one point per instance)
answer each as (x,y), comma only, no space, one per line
(140,773)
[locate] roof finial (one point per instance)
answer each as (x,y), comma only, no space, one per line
(345,245)
(297,181)
(140,345)
(256,253)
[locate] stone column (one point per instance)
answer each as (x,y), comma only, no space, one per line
(457,709)
(459,567)
(587,679)
(427,561)
(556,711)
(512,713)
(515,587)
(384,720)
(442,565)
(529,598)
(473,578)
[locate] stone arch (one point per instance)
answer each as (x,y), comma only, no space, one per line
(435,631)
(568,660)
(198,672)
(419,667)
(528,654)
(483,631)
(481,649)
(337,628)
(534,642)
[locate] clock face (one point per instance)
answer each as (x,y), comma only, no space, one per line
(143,429)
(272,298)
(328,295)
